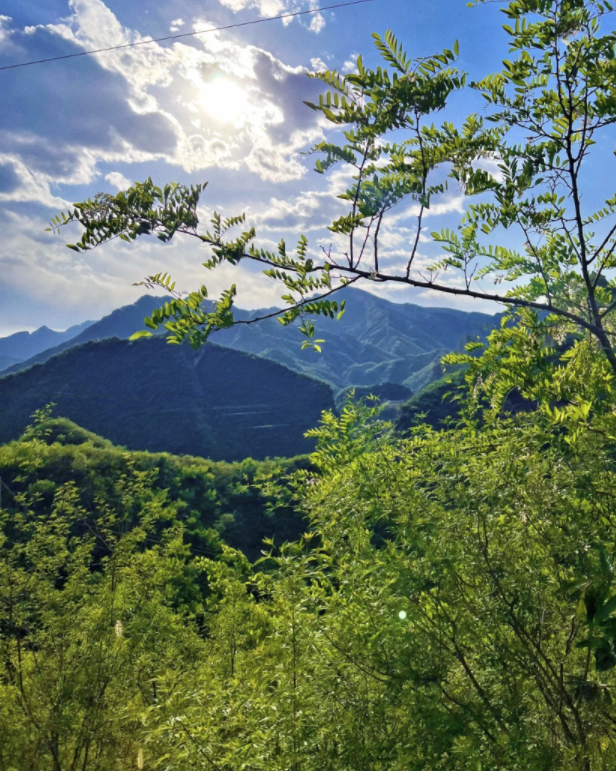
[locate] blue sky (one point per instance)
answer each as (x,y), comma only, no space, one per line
(224,107)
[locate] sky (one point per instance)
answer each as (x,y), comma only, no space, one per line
(224,107)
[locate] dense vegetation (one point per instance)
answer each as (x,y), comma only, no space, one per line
(216,502)
(455,614)
(452,605)
(436,405)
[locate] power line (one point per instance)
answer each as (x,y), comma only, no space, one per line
(187,34)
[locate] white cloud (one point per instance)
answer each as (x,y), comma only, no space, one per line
(265,7)
(20,184)
(214,104)
(67,288)
(318,65)
(492,167)
(4,31)
(272,8)
(118,180)
(176,25)
(218,104)
(351,64)
(450,204)
(223,86)
(317,24)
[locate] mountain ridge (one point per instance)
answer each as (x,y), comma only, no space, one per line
(376,341)
(115,324)
(21,346)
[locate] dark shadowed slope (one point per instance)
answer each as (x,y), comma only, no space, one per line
(148,395)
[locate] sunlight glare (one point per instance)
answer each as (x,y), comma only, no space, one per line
(224,100)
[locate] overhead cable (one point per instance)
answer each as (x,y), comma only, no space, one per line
(185,34)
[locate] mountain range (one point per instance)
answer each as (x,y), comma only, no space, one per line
(121,323)
(375,342)
(21,346)
(252,393)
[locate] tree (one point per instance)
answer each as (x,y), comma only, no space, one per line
(545,113)
(452,609)
(94,603)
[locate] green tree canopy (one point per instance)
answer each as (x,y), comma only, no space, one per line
(452,609)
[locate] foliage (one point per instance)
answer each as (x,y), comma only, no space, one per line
(450,611)
(436,405)
(93,606)
(453,605)
(215,502)
(567,379)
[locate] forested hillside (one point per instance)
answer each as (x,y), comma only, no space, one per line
(441,594)
(216,403)
(216,502)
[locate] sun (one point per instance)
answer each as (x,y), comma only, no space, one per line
(224,100)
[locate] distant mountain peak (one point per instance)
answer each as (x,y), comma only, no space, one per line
(21,346)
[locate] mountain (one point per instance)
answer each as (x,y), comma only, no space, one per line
(148,395)
(23,345)
(121,323)
(375,342)
(7,361)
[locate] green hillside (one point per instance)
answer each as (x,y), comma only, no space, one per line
(148,395)
(385,392)
(215,501)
